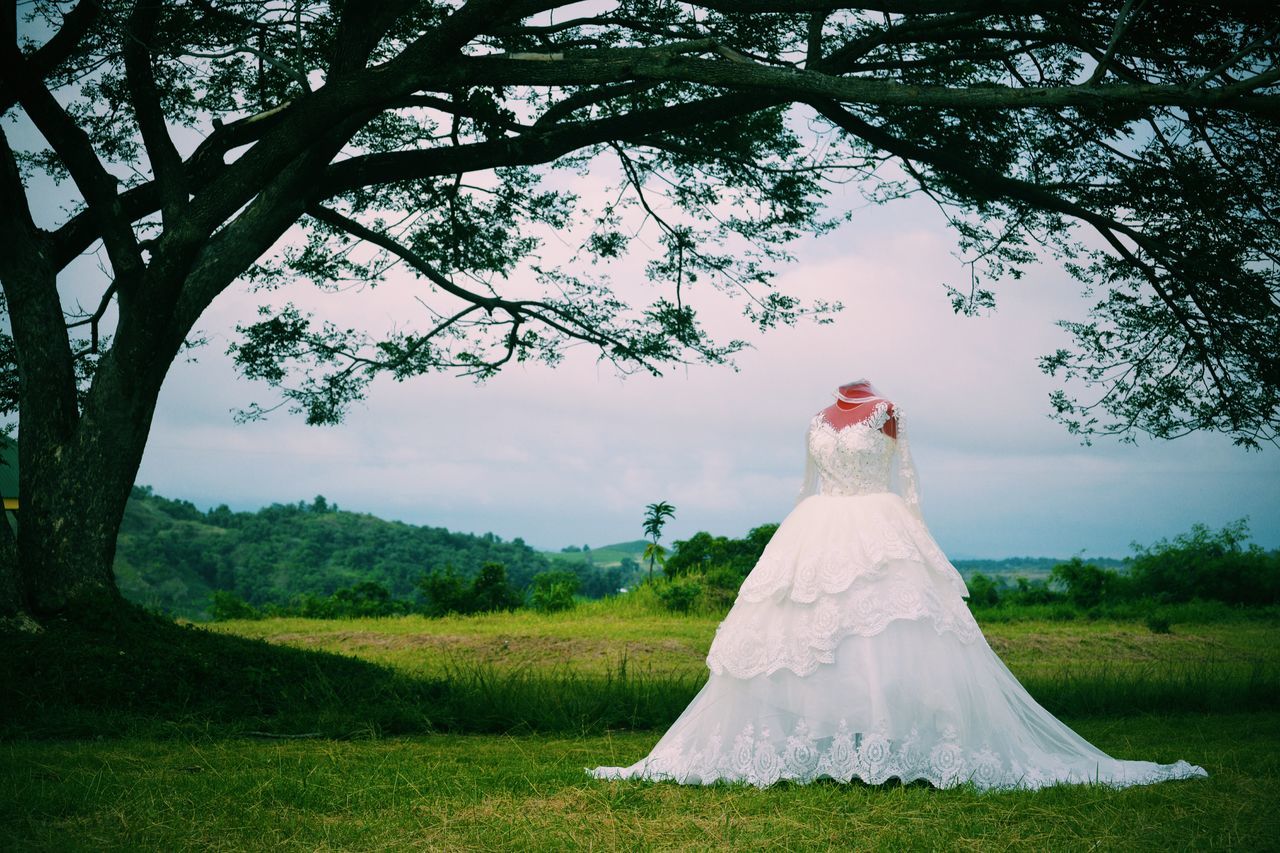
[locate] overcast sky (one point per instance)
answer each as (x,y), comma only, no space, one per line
(573,455)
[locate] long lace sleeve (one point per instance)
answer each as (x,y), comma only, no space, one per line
(907,485)
(810,485)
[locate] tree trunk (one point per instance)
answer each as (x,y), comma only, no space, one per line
(73,498)
(13,603)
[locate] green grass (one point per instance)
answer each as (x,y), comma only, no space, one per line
(529,793)
(1101,666)
(126,731)
(584,672)
(593,637)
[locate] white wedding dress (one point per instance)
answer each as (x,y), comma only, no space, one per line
(851,653)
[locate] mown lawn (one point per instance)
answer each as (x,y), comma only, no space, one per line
(476,792)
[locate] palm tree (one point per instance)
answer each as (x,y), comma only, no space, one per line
(656,516)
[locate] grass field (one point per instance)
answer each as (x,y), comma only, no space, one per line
(596,636)
(176,770)
(474,792)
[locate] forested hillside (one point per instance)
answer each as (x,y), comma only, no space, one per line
(170,555)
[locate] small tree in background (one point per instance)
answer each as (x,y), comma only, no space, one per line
(491,591)
(444,591)
(656,517)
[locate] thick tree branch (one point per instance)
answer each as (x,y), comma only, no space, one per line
(166,162)
(1123,19)
(237,245)
(359,30)
(531,148)
(587,98)
(47,390)
(75,149)
(384,241)
(888,7)
(660,66)
(46,58)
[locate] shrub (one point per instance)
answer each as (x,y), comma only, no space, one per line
(680,594)
(721,586)
(445,591)
(1088,586)
(553,591)
(983,591)
(1031,592)
(369,598)
(226,605)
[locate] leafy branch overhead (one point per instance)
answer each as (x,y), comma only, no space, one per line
(516,161)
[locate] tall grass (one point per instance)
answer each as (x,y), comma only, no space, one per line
(143,675)
(1143,611)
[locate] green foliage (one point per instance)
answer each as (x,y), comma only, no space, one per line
(983,591)
(679,594)
(655,518)
(1088,585)
(1198,566)
(601,571)
(171,556)
(445,591)
(1208,565)
(227,605)
(703,552)
(364,599)
(491,591)
(553,591)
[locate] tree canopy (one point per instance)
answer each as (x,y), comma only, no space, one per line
(422,134)
(1126,139)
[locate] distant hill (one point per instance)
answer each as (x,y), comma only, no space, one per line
(1034,568)
(171,555)
(606,557)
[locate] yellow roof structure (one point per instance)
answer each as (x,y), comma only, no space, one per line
(9,474)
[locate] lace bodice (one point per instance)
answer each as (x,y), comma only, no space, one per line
(860,459)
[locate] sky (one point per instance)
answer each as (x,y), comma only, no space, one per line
(572,455)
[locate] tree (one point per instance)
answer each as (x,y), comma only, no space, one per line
(426,136)
(655,518)
(1087,585)
(491,591)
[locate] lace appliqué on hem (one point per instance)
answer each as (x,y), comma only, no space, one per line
(761,759)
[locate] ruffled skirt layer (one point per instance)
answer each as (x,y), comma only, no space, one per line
(871,671)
